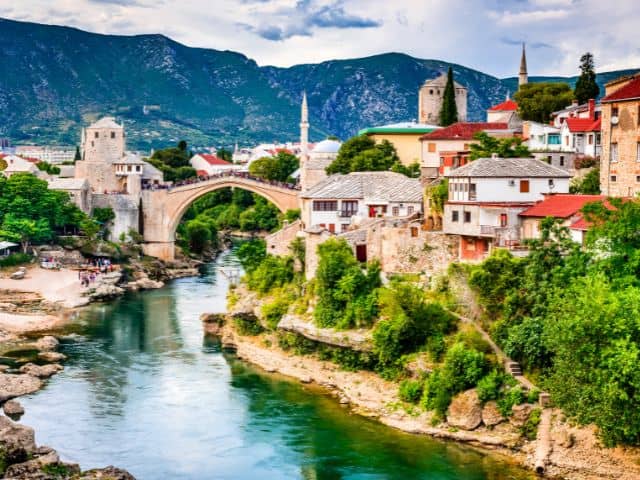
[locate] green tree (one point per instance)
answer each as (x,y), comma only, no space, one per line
(586,86)
(277,168)
(438,195)
(587,185)
(449,110)
(103,215)
(24,230)
(536,101)
(77,156)
(363,154)
(173,162)
(225,154)
(200,234)
(487,145)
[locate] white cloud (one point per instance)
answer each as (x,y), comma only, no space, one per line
(520,18)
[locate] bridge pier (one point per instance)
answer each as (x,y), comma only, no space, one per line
(162,250)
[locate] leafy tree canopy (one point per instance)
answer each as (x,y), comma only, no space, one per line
(173,162)
(363,154)
(587,185)
(278,168)
(511,147)
(536,101)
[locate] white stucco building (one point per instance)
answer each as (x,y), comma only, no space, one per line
(206,164)
(486,196)
(339,201)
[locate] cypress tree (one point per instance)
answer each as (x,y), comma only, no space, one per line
(77,155)
(449,110)
(586,86)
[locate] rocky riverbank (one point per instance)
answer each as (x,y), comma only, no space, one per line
(20,457)
(562,450)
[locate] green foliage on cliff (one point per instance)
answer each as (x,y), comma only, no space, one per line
(570,317)
(347,291)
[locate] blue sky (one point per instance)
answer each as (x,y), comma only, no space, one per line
(482,34)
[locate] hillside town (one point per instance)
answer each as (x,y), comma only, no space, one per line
(415,270)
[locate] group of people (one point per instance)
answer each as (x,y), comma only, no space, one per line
(229,173)
(93,269)
(86,278)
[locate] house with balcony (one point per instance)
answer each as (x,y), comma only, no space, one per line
(340,201)
(581,135)
(487,195)
(545,143)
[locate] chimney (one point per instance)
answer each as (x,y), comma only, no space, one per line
(592,109)
(574,103)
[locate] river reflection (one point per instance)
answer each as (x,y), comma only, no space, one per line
(144,391)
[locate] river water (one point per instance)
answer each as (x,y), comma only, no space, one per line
(142,389)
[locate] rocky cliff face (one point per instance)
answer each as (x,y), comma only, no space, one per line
(56,79)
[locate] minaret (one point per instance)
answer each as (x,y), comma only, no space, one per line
(523,78)
(304,142)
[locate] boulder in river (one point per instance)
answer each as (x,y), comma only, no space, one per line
(52,357)
(106,292)
(107,473)
(13,408)
(465,411)
(48,343)
(41,371)
(212,322)
(12,385)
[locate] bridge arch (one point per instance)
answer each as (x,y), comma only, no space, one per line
(163,209)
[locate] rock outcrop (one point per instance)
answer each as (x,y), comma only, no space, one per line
(12,385)
(47,343)
(52,357)
(13,408)
(213,322)
(491,416)
(41,371)
(465,411)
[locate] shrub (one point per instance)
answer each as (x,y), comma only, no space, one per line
(296,343)
(271,273)
(411,390)
(530,428)
(277,308)
(512,396)
(15,259)
(247,324)
(490,386)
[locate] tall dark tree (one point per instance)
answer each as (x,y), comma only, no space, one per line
(586,86)
(449,110)
(77,156)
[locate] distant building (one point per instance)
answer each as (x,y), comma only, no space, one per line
(454,138)
(505,112)
(430,100)
(16,164)
(575,110)
(78,190)
(486,196)
(340,200)
(619,166)
(405,137)
(53,155)
(545,143)
(207,165)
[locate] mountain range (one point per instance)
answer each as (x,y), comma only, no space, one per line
(57,79)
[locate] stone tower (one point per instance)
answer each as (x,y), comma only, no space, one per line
(523,77)
(430,100)
(102,145)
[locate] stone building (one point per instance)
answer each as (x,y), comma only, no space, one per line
(620,120)
(430,100)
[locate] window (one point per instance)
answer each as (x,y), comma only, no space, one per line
(113,134)
(503,220)
(137,168)
(637,178)
(562,160)
(92,143)
(551,183)
(432,147)
(472,191)
(414,231)
(590,139)
(431,92)
(554,139)
(549,159)
(524,186)
(349,208)
(95,135)
(467,217)
(325,205)
(332,227)
(128,168)
(613,153)
(455,215)
(613,178)
(410,210)
(614,112)
(638,152)
(344,227)
(395,211)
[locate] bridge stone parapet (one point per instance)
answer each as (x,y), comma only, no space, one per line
(162,209)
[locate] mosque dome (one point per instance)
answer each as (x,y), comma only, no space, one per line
(327,146)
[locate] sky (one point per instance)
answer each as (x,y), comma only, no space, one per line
(481,34)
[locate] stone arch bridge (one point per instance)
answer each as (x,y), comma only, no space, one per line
(163,208)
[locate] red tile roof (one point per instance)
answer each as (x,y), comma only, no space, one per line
(202,173)
(581,224)
(630,91)
(213,160)
(560,205)
(463,130)
(583,125)
(506,106)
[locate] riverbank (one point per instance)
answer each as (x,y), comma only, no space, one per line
(570,452)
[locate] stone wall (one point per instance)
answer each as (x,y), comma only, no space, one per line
(127,210)
(278,242)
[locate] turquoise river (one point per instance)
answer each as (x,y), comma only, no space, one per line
(144,390)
